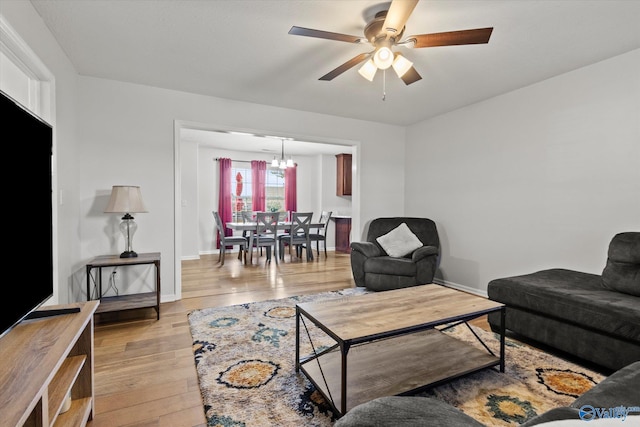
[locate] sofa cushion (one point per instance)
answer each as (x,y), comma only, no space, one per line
(622,272)
(400,241)
(406,411)
(391,266)
(571,296)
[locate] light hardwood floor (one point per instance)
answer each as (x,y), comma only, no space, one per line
(144,368)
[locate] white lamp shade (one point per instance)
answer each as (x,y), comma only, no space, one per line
(383,58)
(368,70)
(275,162)
(401,65)
(125,199)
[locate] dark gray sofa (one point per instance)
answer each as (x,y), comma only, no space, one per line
(376,270)
(593,317)
(619,390)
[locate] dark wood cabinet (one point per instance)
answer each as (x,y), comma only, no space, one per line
(343,179)
(343,234)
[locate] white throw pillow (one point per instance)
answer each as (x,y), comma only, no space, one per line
(400,241)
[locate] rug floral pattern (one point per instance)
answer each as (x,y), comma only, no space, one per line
(245,360)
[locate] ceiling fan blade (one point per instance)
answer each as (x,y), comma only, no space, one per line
(300,31)
(397,16)
(411,76)
(449,38)
(344,67)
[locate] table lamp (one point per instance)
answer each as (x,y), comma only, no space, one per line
(126,199)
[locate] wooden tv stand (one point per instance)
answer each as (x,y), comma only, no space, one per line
(42,361)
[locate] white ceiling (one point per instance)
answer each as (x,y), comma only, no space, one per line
(241,49)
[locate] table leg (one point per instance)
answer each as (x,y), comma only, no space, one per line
(88,283)
(297,339)
(344,348)
(503,319)
(251,234)
(157,264)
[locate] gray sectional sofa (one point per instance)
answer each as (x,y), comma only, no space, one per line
(614,394)
(593,317)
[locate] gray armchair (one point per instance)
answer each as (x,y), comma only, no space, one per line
(374,269)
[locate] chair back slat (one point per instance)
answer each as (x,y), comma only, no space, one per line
(300,222)
(267,223)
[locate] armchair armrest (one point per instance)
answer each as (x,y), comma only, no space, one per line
(367,249)
(423,252)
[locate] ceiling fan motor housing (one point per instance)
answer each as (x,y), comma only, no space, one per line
(377,35)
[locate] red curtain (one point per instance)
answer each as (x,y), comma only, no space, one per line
(258,184)
(290,189)
(224,197)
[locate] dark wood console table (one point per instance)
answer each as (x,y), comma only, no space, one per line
(130,301)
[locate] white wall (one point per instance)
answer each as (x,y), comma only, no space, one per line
(127,134)
(28,25)
(112,133)
(538,178)
(189,200)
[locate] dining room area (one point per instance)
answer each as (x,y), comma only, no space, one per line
(301,232)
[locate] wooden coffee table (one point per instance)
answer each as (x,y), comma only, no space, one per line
(387,343)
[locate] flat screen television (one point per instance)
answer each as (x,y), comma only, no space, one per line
(30,197)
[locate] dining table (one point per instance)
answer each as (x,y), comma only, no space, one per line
(252,228)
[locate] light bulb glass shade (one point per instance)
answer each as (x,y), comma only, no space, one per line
(125,199)
(274,162)
(368,70)
(290,163)
(128,228)
(383,58)
(283,164)
(401,65)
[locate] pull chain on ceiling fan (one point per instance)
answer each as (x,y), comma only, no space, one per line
(386,31)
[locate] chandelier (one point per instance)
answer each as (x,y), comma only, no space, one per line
(282,163)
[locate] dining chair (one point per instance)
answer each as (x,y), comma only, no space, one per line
(225,241)
(249,216)
(320,234)
(266,233)
(297,236)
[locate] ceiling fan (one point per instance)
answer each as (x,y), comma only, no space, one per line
(385,31)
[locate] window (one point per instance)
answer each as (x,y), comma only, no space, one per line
(241,193)
(274,190)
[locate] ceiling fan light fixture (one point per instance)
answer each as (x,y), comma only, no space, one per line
(401,65)
(383,58)
(368,70)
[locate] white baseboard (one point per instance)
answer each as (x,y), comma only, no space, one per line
(459,287)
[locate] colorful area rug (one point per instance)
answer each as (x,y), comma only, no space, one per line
(245,360)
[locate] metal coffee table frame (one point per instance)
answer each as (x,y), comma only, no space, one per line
(387,344)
